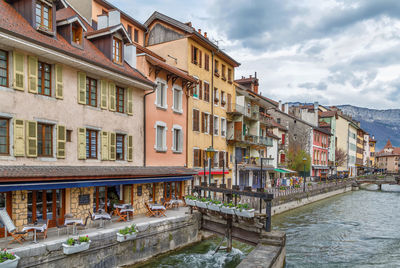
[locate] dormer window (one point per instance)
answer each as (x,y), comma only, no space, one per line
(117,50)
(77,35)
(43,16)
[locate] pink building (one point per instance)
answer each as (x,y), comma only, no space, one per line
(321,141)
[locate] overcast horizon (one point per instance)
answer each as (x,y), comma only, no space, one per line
(335,52)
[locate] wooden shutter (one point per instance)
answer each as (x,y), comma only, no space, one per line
(18,71)
(111,95)
(129,104)
(196,157)
(130,148)
(200,89)
(32,74)
(195,120)
(180,140)
(221,158)
(227,159)
(81,88)
(19,137)
(103,94)
(192,53)
(202,122)
(81,143)
(31,139)
(229,102)
(104,145)
(200,58)
(61,140)
(211,131)
(59,82)
(112,145)
(206,62)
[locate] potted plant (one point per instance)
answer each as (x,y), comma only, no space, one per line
(128,233)
(202,203)
(309,184)
(282,188)
(297,186)
(8,260)
(73,245)
(243,210)
(228,208)
(214,205)
(190,200)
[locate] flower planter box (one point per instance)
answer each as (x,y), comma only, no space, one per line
(67,249)
(122,238)
(10,263)
(190,202)
(228,210)
(214,207)
(201,204)
(245,213)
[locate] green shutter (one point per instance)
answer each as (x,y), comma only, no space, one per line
(18,68)
(33,74)
(59,82)
(19,137)
(111,94)
(112,145)
(104,145)
(129,101)
(130,148)
(61,141)
(81,88)
(31,139)
(81,143)
(103,94)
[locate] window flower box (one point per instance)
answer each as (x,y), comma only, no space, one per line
(76,245)
(128,233)
(228,208)
(245,213)
(214,205)
(201,204)
(216,100)
(190,202)
(10,260)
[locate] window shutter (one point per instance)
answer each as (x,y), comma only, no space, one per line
(31,139)
(59,82)
(202,122)
(33,74)
(18,66)
(103,94)
(227,159)
(111,95)
(129,104)
(61,140)
(130,148)
(180,133)
(192,53)
(196,158)
(81,88)
(221,158)
(211,131)
(104,145)
(112,154)
(200,57)
(200,89)
(19,137)
(81,143)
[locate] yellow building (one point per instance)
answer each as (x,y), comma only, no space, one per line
(372,144)
(189,50)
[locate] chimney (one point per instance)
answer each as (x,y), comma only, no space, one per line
(255,74)
(205,34)
(102,21)
(280,105)
(189,24)
(130,55)
(286,108)
(114,18)
(316,106)
(199,31)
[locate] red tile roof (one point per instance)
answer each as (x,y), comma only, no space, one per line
(327,114)
(276,124)
(11,22)
(141,49)
(388,144)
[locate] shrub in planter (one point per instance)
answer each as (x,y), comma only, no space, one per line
(309,184)
(214,205)
(8,260)
(190,200)
(243,210)
(297,186)
(228,208)
(128,233)
(202,203)
(282,188)
(73,245)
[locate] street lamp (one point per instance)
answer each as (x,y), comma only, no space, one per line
(336,164)
(304,173)
(210,155)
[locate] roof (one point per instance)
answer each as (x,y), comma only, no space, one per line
(323,130)
(109,30)
(327,114)
(154,61)
(190,30)
(272,135)
(245,80)
(12,23)
(255,94)
(388,144)
(148,51)
(12,173)
(275,124)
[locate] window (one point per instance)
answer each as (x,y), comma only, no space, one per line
(161,138)
(206,92)
(69,135)
(177,107)
(161,95)
(195,51)
(4,136)
(206,62)
(117,50)
(120,146)
(196,115)
(91,91)
(216,160)
(43,16)
(77,34)
(204,122)
(177,139)
(223,127)
(216,68)
(44,140)
(136,36)
(223,101)
(216,97)
(91,144)
(44,79)
(230,75)
(3,68)
(130,31)
(223,72)
(216,125)
(120,98)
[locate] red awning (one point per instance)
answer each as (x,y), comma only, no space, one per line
(212,173)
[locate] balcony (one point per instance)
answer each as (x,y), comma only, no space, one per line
(256,161)
(266,141)
(251,112)
(238,136)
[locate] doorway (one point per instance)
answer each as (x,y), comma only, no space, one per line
(5,202)
(172,190)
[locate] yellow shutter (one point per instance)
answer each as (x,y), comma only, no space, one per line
(129,108)
(112,143)
(130,148)
(31,139)
(103,94)
(19,137)
(18,68)
(61,140)
(104,145)
(81,88)
(81,143)
(59,82)
(111,92)
(32,74)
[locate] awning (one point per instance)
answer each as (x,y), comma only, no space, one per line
(212,173)
(256,168)
(5,187)
(281,170)
(289,170)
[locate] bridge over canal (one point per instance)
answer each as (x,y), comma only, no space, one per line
(378,180)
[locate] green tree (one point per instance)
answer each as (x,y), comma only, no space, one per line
(295,161)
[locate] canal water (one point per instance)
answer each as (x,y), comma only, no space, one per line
(356,229)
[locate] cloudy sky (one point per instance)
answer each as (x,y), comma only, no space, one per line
(331,51)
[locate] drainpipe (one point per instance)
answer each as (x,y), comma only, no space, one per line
(144,124)
(212,97)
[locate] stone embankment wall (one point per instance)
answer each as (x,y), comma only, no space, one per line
(153,238)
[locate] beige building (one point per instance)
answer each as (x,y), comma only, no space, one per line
(388,158)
